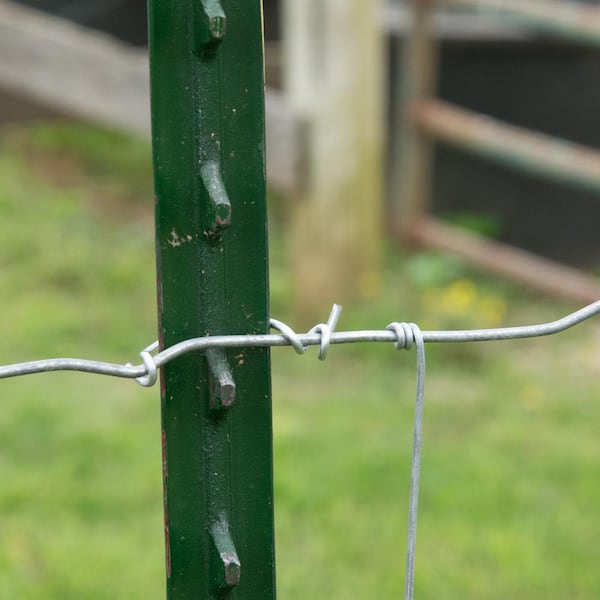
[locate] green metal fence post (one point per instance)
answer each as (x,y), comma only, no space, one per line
(208,141)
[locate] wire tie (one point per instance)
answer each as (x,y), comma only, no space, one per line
(408,334)
(149,379)
(405,334)
(326,329)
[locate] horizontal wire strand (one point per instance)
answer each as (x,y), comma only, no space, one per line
(306,339)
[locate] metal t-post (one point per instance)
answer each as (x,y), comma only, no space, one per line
(208,140)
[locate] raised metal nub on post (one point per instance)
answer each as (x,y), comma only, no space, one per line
(222,385)
(219,211)
(215,27)
(229,566)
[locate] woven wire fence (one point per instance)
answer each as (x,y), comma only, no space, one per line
(403,335)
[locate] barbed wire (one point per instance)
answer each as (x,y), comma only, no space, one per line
(322,335)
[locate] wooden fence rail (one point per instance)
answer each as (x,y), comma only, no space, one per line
(88,74)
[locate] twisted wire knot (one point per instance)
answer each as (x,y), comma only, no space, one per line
(323,329)
(406,334)
(289,334)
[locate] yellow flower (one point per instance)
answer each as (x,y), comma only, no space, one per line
(459,297)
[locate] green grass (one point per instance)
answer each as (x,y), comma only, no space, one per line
(511,453)
(80,456)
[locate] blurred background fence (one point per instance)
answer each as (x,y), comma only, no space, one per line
(340,85)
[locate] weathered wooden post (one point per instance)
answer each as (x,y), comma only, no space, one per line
(208,140)
(410,185)
(333,80)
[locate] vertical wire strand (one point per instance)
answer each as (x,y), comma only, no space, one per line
(415,464)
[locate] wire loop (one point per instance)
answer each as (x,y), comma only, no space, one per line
(149,379)
(289,334)
(406,334)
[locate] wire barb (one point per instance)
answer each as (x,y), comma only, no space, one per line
(326,329)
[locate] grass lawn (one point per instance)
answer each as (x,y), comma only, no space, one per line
(511,454)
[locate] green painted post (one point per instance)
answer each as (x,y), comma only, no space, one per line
(208,141)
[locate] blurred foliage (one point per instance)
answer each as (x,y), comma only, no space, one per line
(80,500)
(487,225)
(112,167)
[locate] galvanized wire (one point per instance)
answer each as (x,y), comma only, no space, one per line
(407,334)
(302,340)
